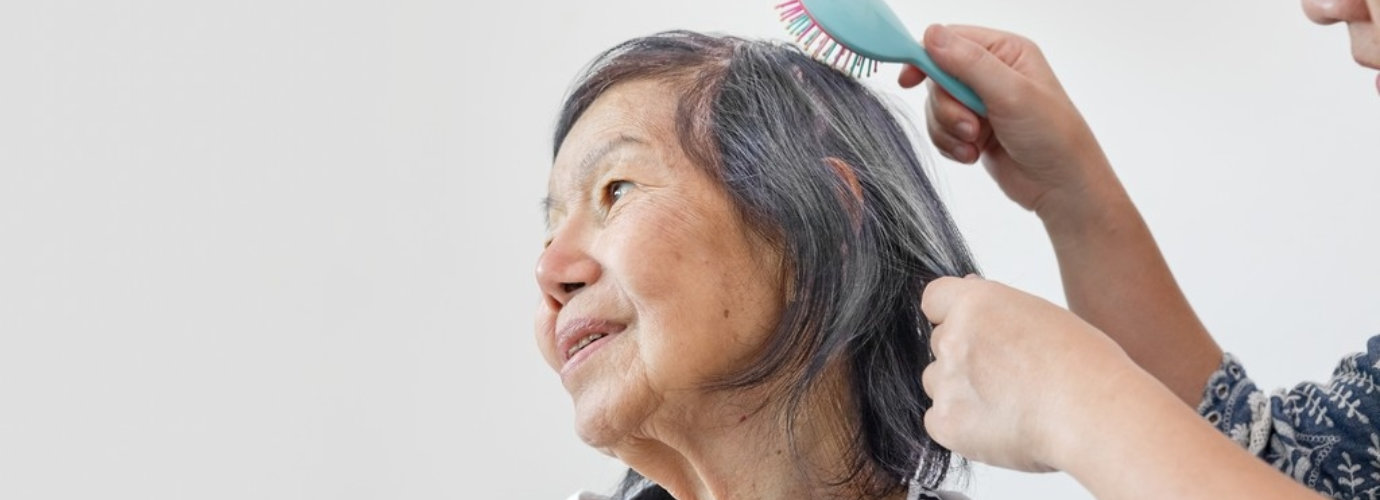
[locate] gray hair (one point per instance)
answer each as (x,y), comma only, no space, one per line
(817,165)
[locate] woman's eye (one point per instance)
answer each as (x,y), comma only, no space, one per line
(617,189)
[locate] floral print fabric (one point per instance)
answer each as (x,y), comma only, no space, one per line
(1325,436)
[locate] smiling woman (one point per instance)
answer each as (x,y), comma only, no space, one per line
(738,236)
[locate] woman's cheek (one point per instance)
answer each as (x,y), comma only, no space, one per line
(649,257)
(543,332)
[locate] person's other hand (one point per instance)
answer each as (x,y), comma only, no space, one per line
(1033,142)
(1010,369)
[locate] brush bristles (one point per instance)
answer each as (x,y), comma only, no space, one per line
(813,40)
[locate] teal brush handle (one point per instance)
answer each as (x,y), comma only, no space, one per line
(959,90)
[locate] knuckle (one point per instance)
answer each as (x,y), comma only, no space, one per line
(951,112)
(1026,42)
(947,143)
(937,424)
(937,289)
(929,382)
(934,288)
(932,424)
(938,132)
(945,343)
(933,113)
(936,341)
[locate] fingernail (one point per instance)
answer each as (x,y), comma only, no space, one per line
(940,37)
(967,131)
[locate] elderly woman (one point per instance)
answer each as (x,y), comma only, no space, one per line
(737,241)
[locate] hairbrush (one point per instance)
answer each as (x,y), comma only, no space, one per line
(854,35)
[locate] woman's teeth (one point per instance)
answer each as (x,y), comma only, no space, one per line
(582,343)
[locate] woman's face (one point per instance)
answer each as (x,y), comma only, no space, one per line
(646,256)
(1359,16)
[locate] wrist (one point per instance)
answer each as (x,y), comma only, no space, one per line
(1090,194)
(1091,209)
(1082,432)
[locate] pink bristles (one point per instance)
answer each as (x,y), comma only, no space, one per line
(815,41)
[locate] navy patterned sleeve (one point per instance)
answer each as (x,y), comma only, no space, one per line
(1323,435)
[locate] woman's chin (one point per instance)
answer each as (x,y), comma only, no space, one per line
(602,419)
(597,431)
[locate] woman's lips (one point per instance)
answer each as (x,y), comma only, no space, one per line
(584,353)
(577,338)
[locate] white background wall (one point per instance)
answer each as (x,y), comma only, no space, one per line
(283,249)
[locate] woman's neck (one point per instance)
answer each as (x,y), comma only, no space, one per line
(733,446)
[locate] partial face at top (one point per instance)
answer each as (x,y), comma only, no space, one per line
(1361,23)
(647,257)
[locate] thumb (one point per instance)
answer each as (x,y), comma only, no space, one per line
(973,64)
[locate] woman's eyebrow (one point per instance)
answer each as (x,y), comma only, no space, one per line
(586,170)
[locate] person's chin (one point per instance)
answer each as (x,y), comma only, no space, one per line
(600,430)
(604,417)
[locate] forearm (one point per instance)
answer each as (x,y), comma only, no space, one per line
(1115,277)
(1142,443)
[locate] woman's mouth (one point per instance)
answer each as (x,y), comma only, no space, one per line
(584,342)
(579,338)
(584,349)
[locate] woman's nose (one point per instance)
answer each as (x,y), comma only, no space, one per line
(563,270)
(1335,11)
